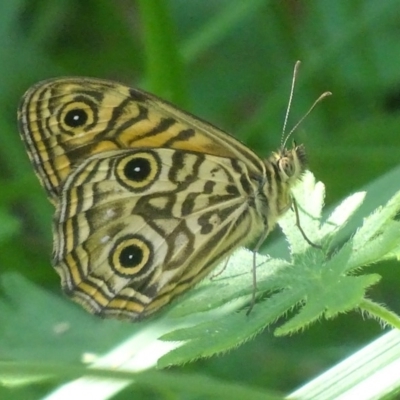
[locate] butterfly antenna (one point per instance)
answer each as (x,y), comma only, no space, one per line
(295,71)
(320,98)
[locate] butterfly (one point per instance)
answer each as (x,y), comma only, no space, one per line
(148,198)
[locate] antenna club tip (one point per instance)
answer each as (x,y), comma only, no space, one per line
(323,95)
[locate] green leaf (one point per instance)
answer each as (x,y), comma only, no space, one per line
(316,283)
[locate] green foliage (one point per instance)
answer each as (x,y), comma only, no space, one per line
(315,282)
(229,62)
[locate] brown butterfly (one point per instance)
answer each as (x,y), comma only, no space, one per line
(149,199)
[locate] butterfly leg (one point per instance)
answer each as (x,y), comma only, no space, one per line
(296,211)
(255,251)
(213,276)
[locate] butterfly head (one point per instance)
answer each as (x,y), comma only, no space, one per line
(283,170)
(289,163)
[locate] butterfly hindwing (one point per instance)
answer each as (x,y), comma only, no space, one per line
(139,226)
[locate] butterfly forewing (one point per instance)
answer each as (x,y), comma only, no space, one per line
(63,121)
(148,198)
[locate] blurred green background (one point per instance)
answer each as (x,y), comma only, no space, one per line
(229,62)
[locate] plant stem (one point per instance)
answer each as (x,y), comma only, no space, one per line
(381,313)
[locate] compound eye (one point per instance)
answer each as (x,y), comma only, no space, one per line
(286,167)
